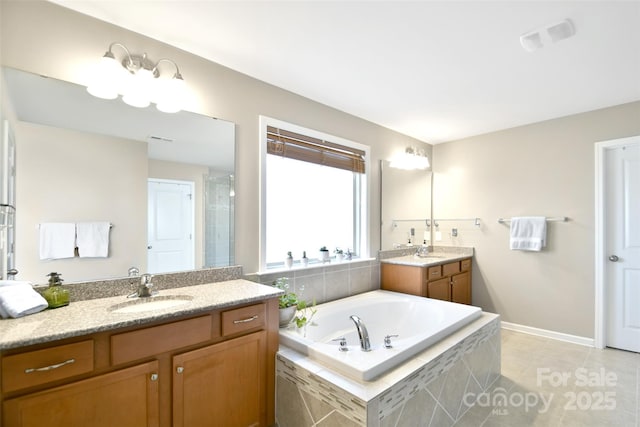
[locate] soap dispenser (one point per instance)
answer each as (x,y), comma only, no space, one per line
(55,294)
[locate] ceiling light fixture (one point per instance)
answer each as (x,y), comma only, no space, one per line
(138,80)
(412,159)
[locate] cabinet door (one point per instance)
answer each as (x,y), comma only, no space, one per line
(461,288)
(402,278)
(221,385)
(439,289)
(125,398)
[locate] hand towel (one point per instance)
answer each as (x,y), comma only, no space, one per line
(93,239)
(57,240)
(528,233)
(18,299)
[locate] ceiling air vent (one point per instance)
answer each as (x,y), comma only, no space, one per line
(154,138)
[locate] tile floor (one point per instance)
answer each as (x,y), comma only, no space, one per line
(548,383)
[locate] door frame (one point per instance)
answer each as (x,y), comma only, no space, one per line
(601,148)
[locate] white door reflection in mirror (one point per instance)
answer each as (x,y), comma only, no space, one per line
(170,226)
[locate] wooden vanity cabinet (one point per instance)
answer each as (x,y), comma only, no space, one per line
(403,278)
(215,368)
(127,397)
(222,382)
(449,281)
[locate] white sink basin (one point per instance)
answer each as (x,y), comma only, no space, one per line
(140,305)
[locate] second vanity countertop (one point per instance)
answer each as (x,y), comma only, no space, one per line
(96,315)
(436,257)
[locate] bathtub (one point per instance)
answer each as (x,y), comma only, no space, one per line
(418,322)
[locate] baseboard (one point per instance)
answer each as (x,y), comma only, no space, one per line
(589,342)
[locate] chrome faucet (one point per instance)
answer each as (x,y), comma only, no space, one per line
(145,286)
(423,251)
(144,289)
(365,345)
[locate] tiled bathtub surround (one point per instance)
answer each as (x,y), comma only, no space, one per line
(327,282)
(82,291)
(435,388)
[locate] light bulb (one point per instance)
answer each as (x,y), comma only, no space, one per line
(137,92)
(171,96)
(106,78)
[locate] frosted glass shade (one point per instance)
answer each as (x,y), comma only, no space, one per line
(171,96)
(138,89)
(106,78)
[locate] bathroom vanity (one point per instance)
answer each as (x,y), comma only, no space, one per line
(445,276)
(210,360)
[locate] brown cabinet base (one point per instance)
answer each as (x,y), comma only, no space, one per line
(128,397)
(450,281)
(129,377)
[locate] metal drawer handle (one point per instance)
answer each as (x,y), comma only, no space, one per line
(50,367)
(250,319)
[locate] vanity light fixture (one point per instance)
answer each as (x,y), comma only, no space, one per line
(412,159)
(138,80)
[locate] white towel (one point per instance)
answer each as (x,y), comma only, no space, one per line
(18,298)
(93,239)
(57,240)
(528,233)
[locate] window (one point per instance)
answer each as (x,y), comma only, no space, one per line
(313,193)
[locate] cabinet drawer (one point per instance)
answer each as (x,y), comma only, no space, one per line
(434,272)
(148,342)
(242,319)
(50,364)
(451,268)
(465,264)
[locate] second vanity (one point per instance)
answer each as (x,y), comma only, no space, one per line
(443,274)
(208,359)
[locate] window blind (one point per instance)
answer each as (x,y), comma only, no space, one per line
(296,146)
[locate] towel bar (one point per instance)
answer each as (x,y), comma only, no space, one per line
(554,219)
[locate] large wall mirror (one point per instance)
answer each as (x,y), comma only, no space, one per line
(405,208)
(165,182)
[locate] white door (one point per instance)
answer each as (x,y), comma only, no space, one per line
(622,246)
(170,226)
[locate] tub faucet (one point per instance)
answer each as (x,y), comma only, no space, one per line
(365,345)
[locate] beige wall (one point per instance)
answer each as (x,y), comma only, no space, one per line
(58,180)
(541,169)
(47,39)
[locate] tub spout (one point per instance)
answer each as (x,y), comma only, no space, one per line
(365,345)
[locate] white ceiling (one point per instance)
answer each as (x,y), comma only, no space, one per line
(434,70)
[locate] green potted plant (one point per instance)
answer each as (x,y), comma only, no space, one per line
(304,315)
(339,254)
(324,254)
(291,307)
(288,261)
(287,302)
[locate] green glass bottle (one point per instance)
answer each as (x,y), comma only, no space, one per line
(56,295)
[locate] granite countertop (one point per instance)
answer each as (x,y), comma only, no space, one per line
(96,315)
(436,257)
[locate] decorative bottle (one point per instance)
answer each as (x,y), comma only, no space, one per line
(56,295)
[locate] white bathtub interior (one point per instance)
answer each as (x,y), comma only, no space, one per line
(418,322)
